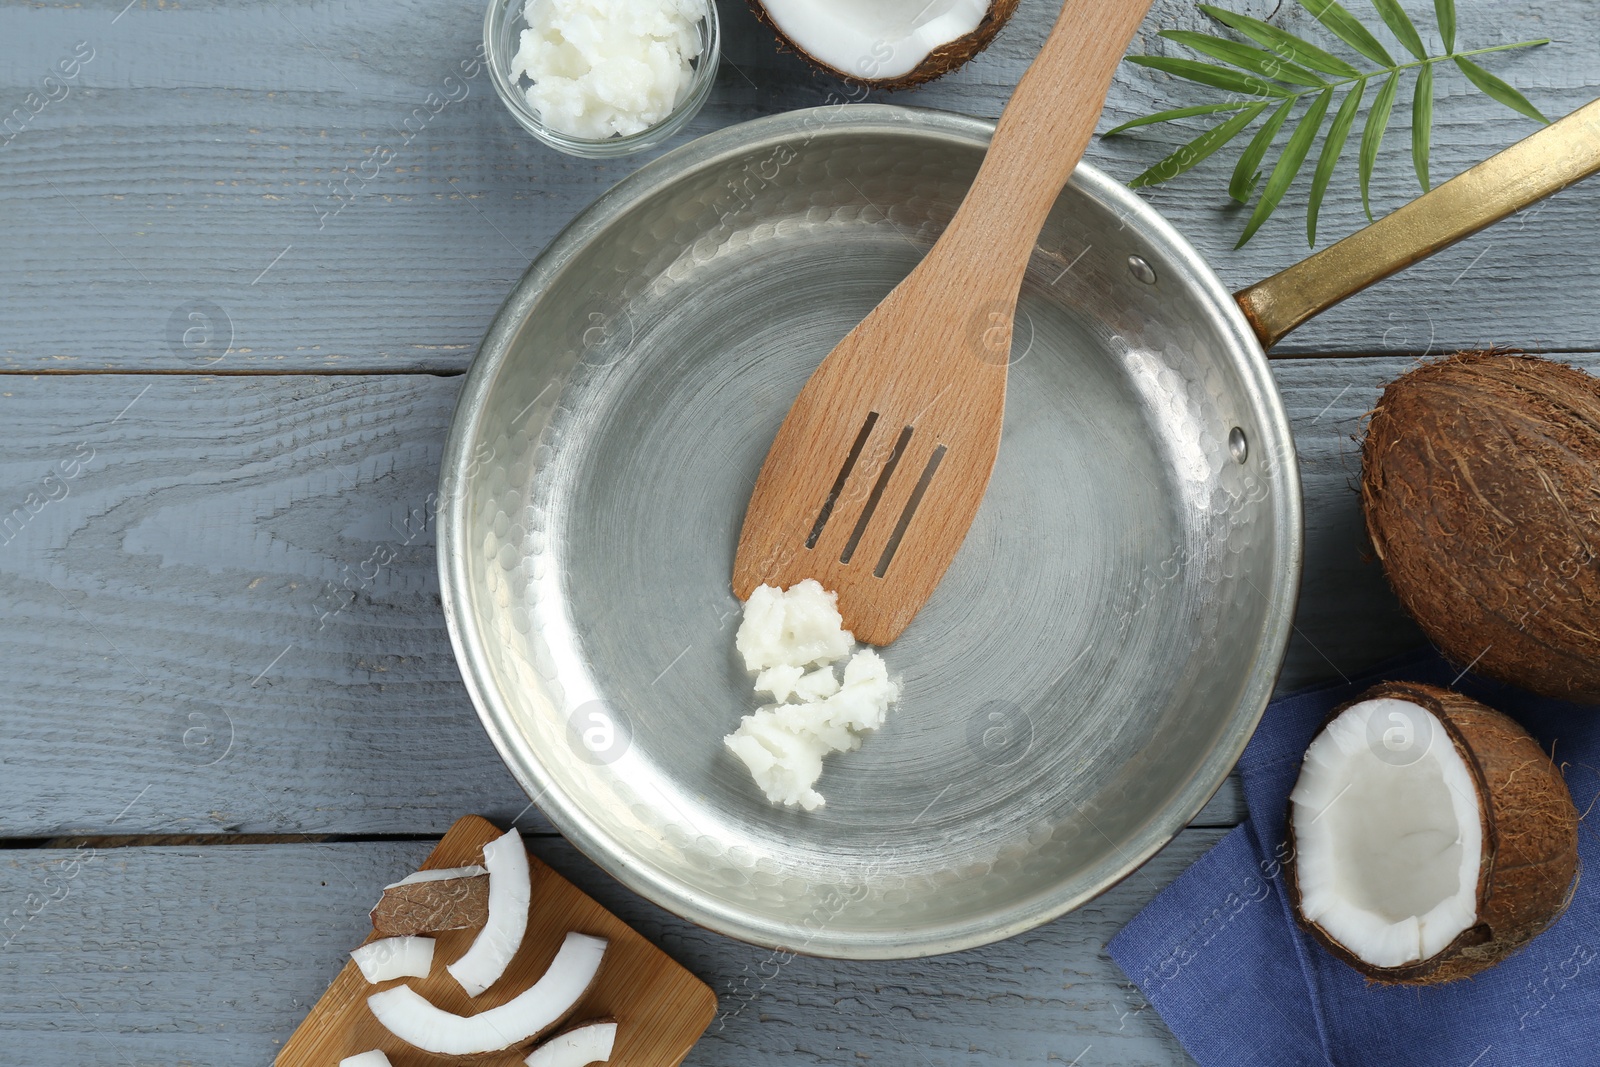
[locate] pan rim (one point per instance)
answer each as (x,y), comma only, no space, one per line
(681,898)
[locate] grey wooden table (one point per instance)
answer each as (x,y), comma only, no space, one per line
(206,772)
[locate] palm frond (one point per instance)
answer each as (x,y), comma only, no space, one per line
(1274,73)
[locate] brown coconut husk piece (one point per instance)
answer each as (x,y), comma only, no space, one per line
(1481,490)
(1530,839)
(938,62)
(431,907)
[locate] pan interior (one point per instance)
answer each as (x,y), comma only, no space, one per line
(1078,684)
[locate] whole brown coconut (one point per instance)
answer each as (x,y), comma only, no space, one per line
(1481,488)
(1530,839)
(938,62)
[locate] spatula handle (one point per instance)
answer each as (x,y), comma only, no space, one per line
(1042,134)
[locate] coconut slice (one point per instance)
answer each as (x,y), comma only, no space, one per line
(439,874)
(589,1042)
(888,44)
(1431,835)
(394,957)
(509,892)
(375,1058)
(454,898)
(408,1015)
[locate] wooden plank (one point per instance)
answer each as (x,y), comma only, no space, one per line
(659,1008)
(248,557)
(214,156)
(230,620)
(212,955)
(1347,617)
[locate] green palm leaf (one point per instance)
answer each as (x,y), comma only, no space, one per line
(1255,60)
(1332,149)
(1245,174)
(1372,135)
(1497,90)
(1400,24)
(1177,113)
(1288,165)
(1282,42)
(1211,74)
(1267,70)
(1422,124)
(1344,26)
(1446,12)
(1199,148)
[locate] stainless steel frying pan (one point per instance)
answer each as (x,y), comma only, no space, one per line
(1095,659)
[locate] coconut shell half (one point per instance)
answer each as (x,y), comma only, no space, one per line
(1530,839)
(938,62)
(1481,489)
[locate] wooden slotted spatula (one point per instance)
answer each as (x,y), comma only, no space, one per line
(877,472)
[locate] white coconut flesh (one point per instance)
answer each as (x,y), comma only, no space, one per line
(509,892)
(589,1043)
(375,1058)
(438,874)
(874,39)
(394,957)
(1388,843)
(414,1019)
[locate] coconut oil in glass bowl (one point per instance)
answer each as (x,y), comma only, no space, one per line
(584,71)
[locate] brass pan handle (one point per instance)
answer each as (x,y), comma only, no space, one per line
(1555,157)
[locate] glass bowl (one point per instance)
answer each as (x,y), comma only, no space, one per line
(502,27)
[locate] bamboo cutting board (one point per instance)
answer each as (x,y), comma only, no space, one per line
(660,1008)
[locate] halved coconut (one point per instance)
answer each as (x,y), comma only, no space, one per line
(885,44)
(1431,836)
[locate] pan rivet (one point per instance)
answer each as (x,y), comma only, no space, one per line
(1238,444)
(1141,270)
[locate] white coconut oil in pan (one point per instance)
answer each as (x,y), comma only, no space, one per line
(791,640)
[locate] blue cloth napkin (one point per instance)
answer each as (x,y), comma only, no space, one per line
(1220,956)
